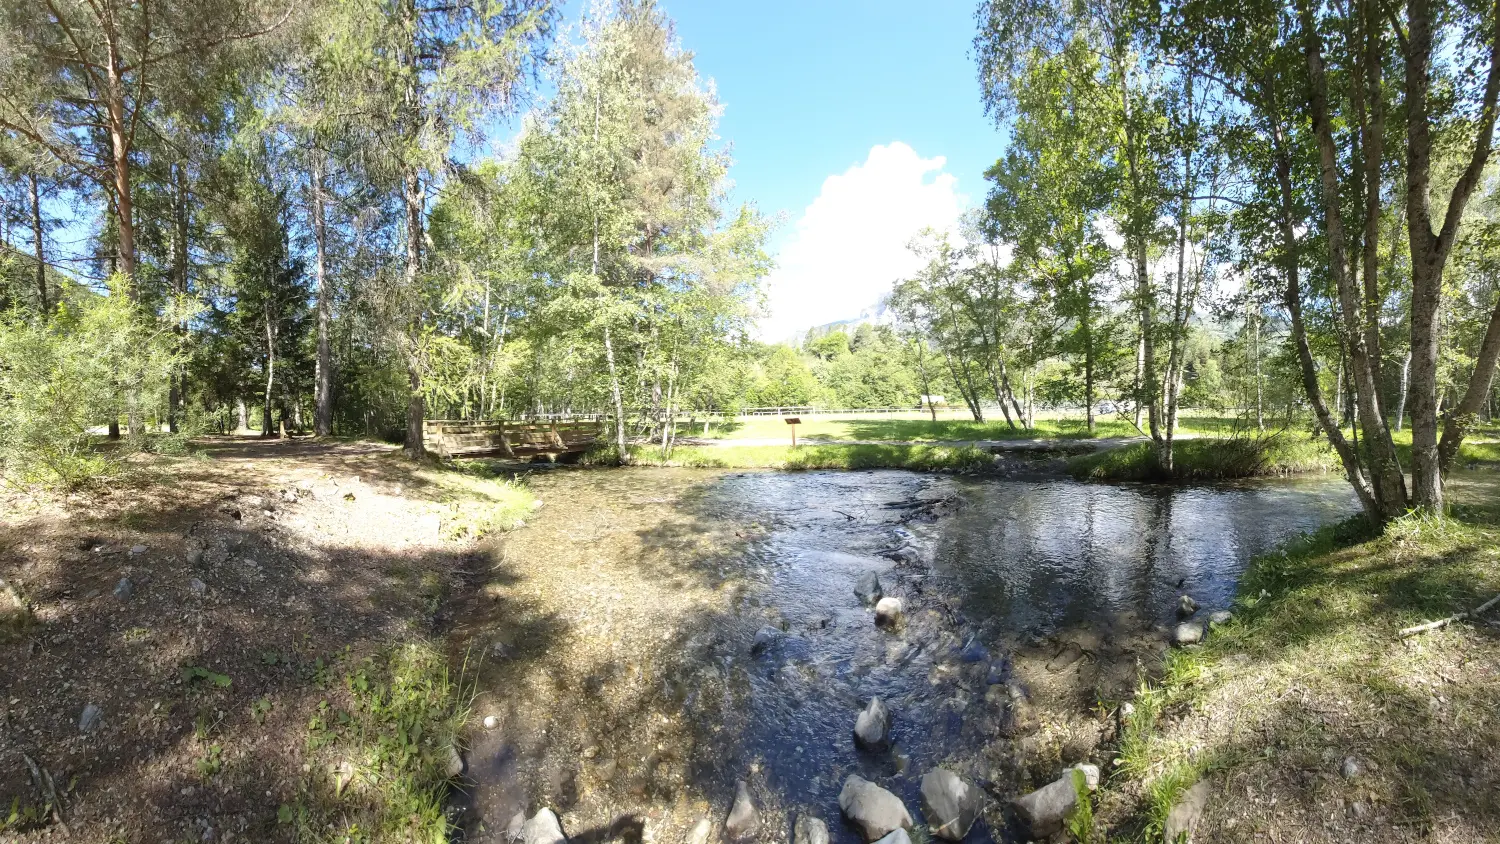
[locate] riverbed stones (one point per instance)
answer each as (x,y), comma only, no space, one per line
(895,836)
(872,729)
(197,587)
(1182,821)
(124,589)
(888,612)
(873,810)
(1186,606)
(1220,617)
(809,830)
(1043,812)
(1187,633)
(974,651)
(1090,775)
(543,828)
(867,588)
(1351,769)
(743,820)
(950,804)
(1068,654)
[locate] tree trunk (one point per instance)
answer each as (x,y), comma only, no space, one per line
(323,367)
(41,258)
(1429,249)
(119,142)
(1458,421)
(1386,479)
(265,408)
(1405,385)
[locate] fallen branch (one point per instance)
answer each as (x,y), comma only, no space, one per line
(1444,622)
(43,779)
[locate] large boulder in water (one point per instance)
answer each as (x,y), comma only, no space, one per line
(950,804)
(888,612)
(875,811)
(872,729)
(867,588)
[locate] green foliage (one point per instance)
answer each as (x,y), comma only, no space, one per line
(95,360)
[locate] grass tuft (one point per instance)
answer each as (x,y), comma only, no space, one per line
(380,750)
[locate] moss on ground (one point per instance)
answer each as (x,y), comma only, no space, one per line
(1310,673)
(1208,458)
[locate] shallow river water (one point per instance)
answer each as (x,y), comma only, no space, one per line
(617,628)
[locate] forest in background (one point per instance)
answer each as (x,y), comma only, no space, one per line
(292,223)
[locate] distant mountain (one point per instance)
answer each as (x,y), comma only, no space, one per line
(879,313)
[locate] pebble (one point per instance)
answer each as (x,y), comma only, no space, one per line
(1183,819)
(90,718)
(1351,768)
(197,587)
(137,550)
(809,830)
(700,831)
(491,722)
(124,589)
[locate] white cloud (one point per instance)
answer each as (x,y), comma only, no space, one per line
(850,244)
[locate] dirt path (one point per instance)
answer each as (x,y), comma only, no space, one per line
(262,563)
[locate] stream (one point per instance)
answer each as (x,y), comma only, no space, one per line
(616,634)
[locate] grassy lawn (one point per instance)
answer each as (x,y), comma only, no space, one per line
(919,427)
(1310,673)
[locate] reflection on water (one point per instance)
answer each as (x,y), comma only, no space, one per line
(679,708)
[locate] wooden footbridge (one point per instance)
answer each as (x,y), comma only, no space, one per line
(449,438)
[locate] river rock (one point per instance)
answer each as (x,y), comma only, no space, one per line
(867,588)
(543,828)
(999,672)
(137,550)
(1183,819)
(90,718)
(764,639)
(455,762)
(1070,653)
(1221,617)
(700,831)
(743,819)
(197,587)
(1186,606)
(124,589)
(888,612)
(1187,633)
(905,554)
(1090,775)
(974,652)
(809,830)
(950,804)
(895,836)
(1043,812)
(875,811)
(872,729)
(514,826)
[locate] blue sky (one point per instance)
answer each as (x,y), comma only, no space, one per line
(809,90)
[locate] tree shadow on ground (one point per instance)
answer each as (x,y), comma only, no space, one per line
(229,579)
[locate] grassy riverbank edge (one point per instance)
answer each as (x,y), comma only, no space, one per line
(916,457)
(1306,714)
(1208,459)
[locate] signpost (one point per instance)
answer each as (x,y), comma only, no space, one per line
(794,421)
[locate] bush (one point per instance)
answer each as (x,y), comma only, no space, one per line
(59,379)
